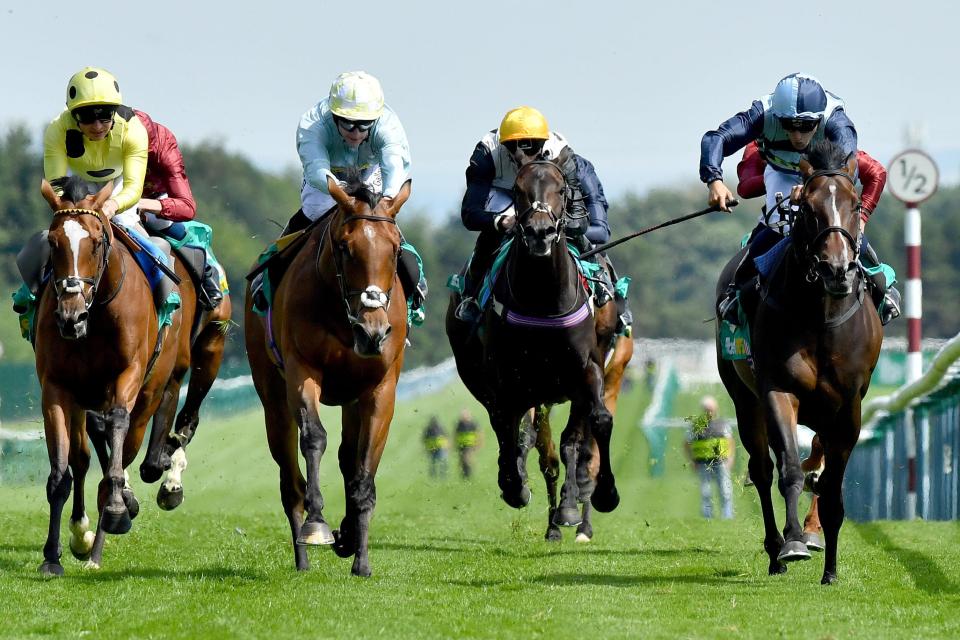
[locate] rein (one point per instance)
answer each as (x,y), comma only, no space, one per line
(372,297)
(807,255)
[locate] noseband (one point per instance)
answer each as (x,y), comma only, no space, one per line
(372,297)
(807,254)
(542,207)
(74,284)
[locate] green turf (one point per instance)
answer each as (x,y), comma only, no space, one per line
(451,560)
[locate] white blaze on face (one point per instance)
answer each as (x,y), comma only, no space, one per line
(75,233)
(836,217)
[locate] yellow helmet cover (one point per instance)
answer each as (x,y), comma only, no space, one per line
(524,123)
(92,86)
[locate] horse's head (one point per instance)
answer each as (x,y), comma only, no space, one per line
(365,242)
(827,229)
(79,238)
(540,196)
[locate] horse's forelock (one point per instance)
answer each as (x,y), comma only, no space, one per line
(74,189)
(357,188)
(824,155)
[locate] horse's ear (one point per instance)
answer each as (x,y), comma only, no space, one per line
(103,195)
(338,194)
(400,198)
(851,164)
(806,169)
(50,195)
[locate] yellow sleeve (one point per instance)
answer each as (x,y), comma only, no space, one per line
(135,145)
(54,151)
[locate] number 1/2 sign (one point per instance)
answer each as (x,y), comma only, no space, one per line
(912,176)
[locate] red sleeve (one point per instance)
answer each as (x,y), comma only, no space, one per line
(750,173)
(873,177)
(179,205)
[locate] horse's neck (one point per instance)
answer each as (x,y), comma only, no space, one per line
(114,274)
(549,284)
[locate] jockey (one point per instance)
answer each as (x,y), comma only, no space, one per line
(782,124)
(352,128)
(101,140)
(523,137)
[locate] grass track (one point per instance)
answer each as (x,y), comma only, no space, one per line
(451,560)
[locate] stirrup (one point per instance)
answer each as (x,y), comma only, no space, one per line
(728,309)
(468,310)
(889,310)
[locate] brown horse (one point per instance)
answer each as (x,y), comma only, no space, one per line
(536,424)
(96,350)
(539,345)
(815,344)
(335,335)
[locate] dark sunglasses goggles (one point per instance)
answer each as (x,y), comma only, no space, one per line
(95,113)
(354,125)
(800,125)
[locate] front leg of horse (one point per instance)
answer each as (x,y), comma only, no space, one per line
(511,476)
(157,458)
(313,444)
(355,530)
(781,410)
(81,537)
(605,497)
(568,513)
(830,489)
(115,517)
(549,465)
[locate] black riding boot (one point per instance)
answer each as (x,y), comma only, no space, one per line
(413,283)
(885,295)
(483,255)
(212,296)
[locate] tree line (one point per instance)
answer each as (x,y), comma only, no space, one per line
(673,270)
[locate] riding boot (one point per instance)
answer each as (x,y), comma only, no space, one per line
(604,288)
(32,259)
(212,296)
(885,295)
(298,221)
(483,256)
(166,286)
(727,308)
(260,301)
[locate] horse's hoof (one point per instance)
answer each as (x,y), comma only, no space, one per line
(519,499)
(90,565)
(116,521)
(169,499)
(582,538)
(83,546)
(829,577)
(813,540)
(50,569)
(340,545)
(567,517)
(605,501)
(150,473)
(810,481)
(793,551)
(361,569)
(131,502)
(776,569)
(553,534)
(315,533)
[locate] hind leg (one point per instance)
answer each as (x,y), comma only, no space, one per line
(81,537)
(512,456)
(549,465)
(588,465)
(781,413)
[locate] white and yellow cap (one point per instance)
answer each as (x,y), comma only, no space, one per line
(356,95)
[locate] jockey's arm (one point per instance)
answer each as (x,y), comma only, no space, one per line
(873,177)
(480,173)
(312,148)
(394,164)
(594,200)
(840,131)
(750,172)
(732,135)
(135,144)
(179,205)
(54,152)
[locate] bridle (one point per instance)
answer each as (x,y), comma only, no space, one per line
(560,220)
(74,284)
(806,250)
(372,297)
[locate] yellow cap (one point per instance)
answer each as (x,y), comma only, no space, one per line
(524,123)
(356,95)
(91,86)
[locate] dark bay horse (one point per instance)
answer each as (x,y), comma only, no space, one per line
(95,351)
(815,343)
(538,345)
(537,424)
(335,335)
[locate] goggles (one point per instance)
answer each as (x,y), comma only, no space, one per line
(799,125)
(529,146)
(95,113)
(355,125)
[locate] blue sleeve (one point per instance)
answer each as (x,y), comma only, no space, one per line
(731,136)
(480,173)
(840,131)
(594,200)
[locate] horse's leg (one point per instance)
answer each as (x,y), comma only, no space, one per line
(588,465)
(567,513)
(511,476)
(157,459)
(781,410)
(303,400)
(81,537)
(549,465)
(57,415)
(811,524)
(829,487)
(365,427)
(605,497)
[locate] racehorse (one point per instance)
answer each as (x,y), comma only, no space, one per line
(96,350)
(536,424)
(334,335)
(538,344)
(815,344)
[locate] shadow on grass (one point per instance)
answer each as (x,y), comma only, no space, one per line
(718,577)
(534,549)
(215,574)
(925,572)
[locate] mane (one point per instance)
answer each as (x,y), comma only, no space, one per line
(73,188)
(357,188)
(824,154)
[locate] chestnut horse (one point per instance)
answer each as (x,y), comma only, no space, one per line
(334,335)
(815,343)
(96,350)
(537,422)
(537,345)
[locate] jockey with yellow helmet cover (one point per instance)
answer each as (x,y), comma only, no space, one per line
(353,129)
(524,136)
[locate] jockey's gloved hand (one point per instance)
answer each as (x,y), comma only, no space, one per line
(506,221)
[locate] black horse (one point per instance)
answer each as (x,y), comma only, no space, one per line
(815,339)
(538,344)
